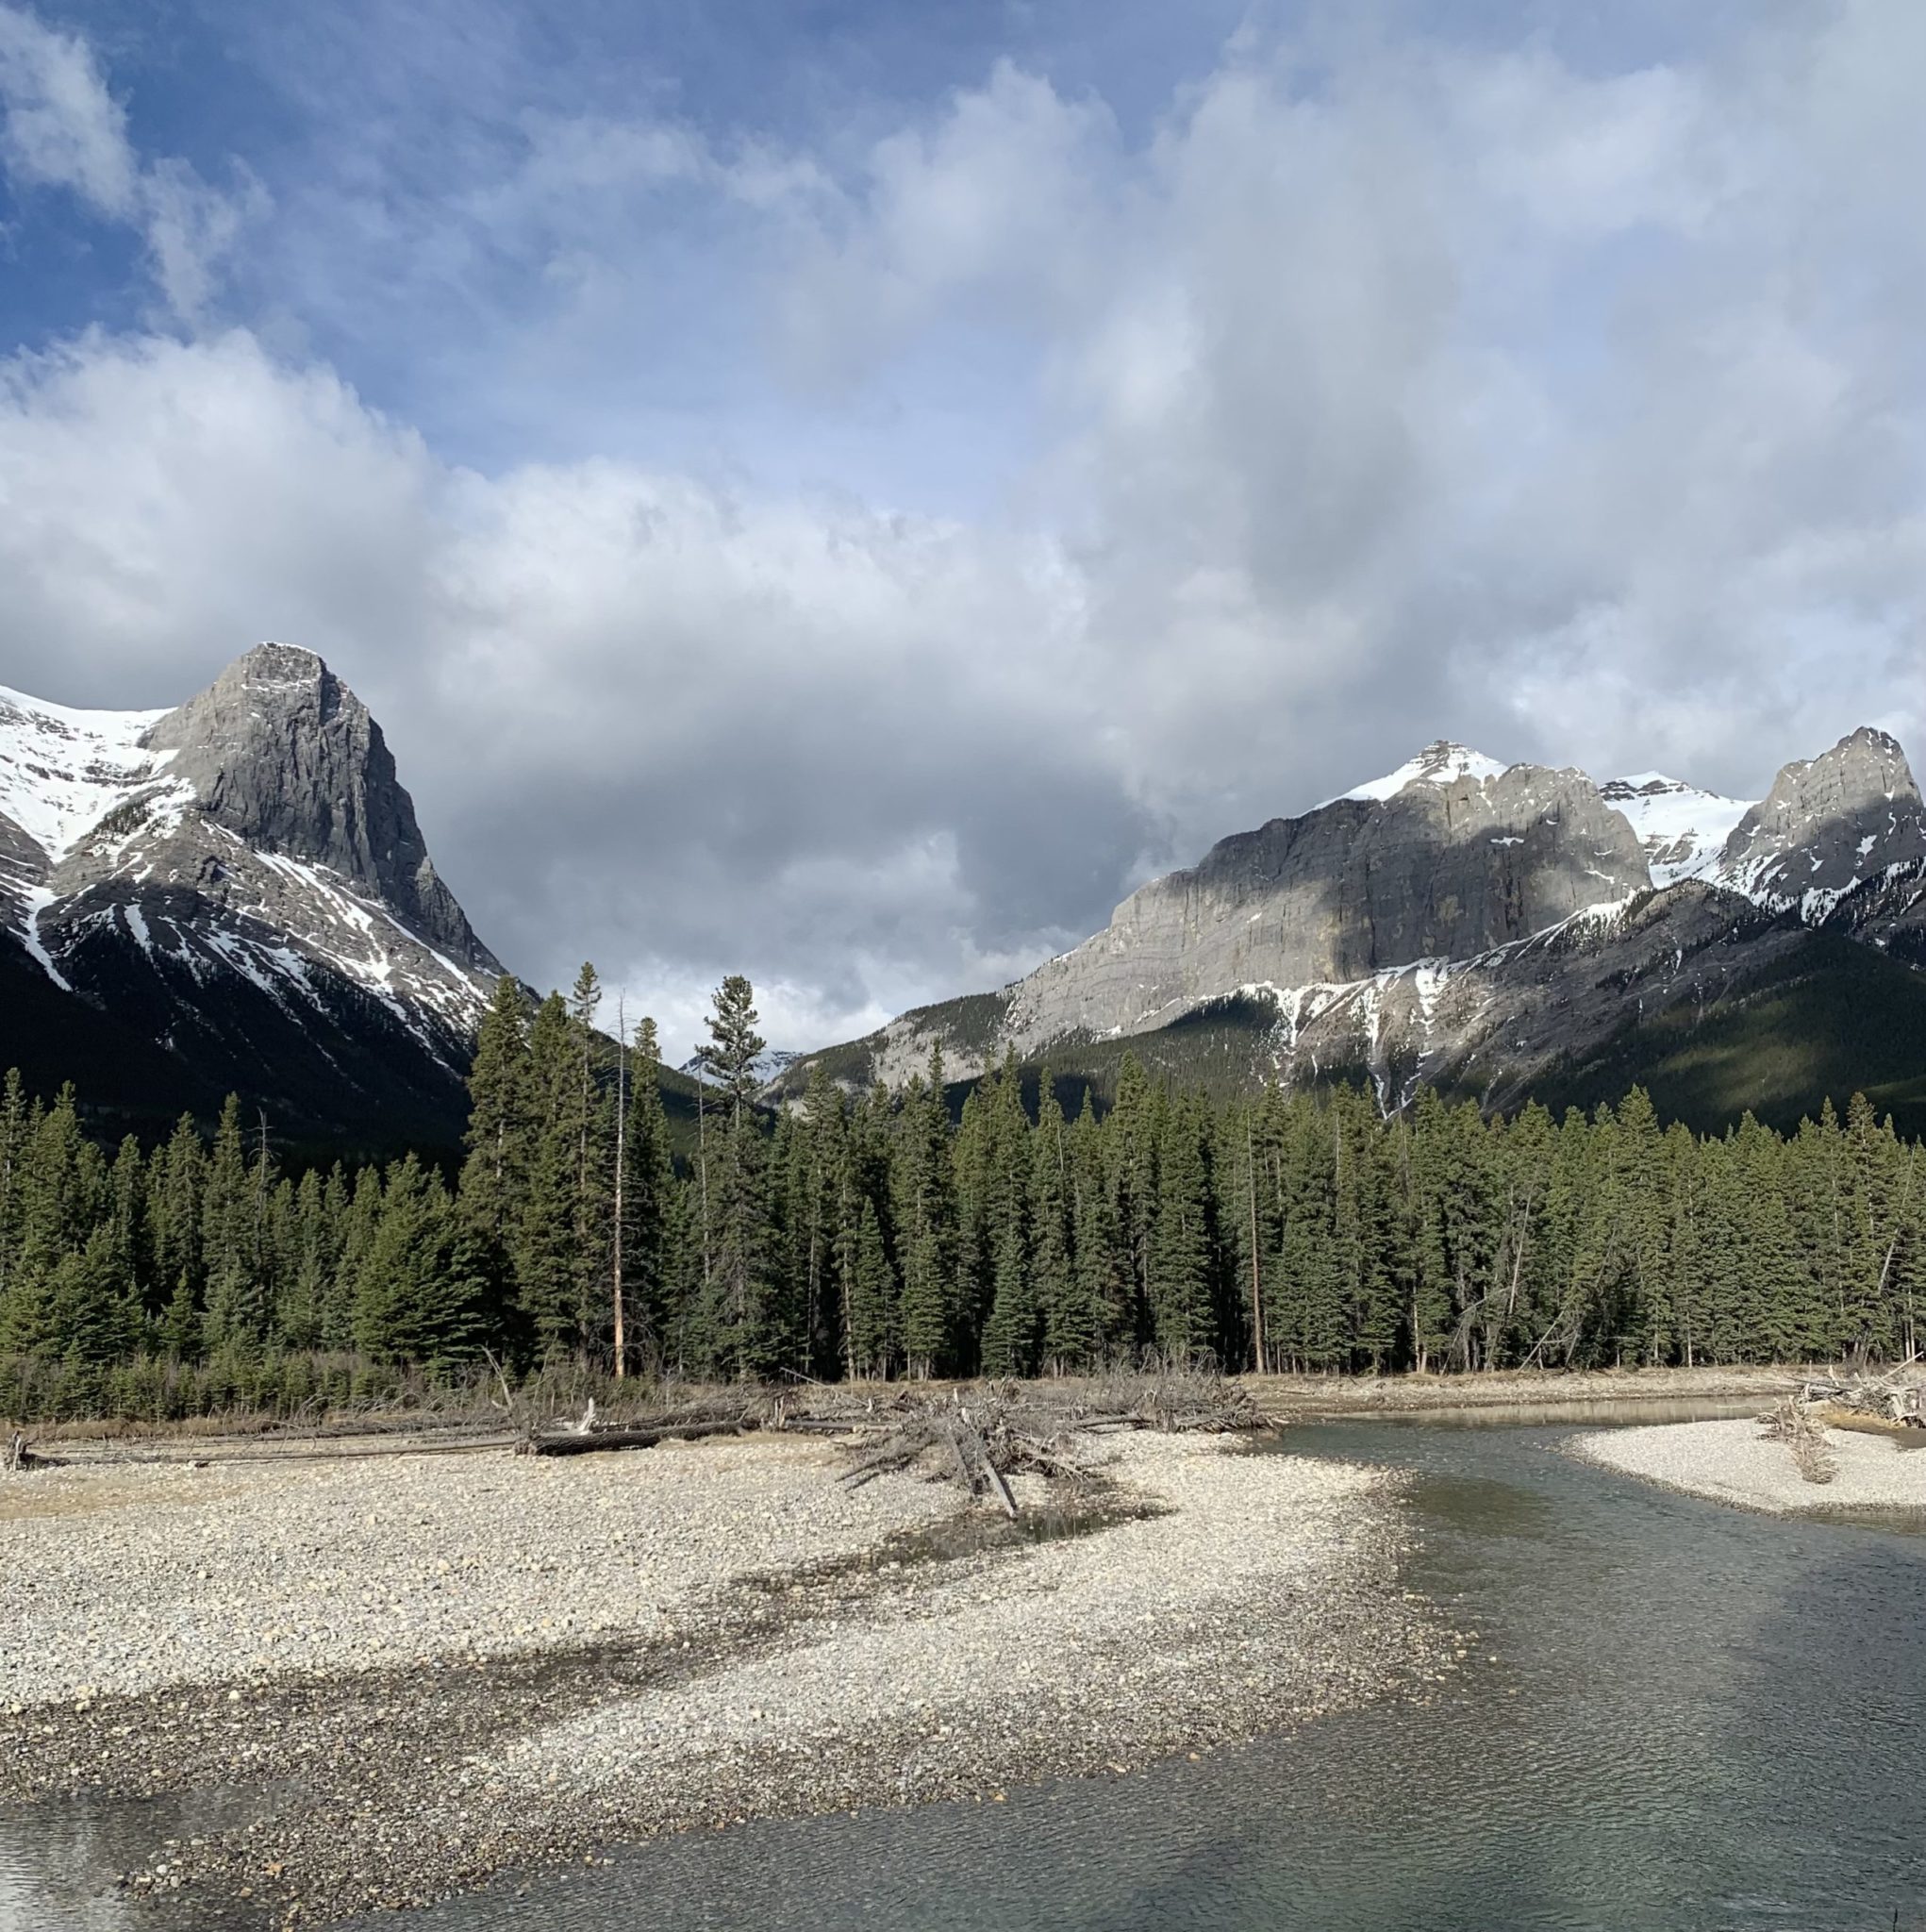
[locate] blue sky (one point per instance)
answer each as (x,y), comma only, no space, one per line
(842,492)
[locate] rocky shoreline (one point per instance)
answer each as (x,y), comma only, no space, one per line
(433,1670)
(1737,1463)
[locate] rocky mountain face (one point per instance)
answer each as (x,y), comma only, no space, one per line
(233,894)
(1494,931)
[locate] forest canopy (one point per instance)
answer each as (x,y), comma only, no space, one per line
(878,1236)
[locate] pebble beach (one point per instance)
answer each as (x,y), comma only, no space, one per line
(449,1667)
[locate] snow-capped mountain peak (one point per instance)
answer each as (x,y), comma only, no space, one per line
(241,882)
(1683,830)
(769,1062)
(1439,763)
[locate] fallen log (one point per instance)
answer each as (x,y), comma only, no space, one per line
(18,1458)
(592,1442)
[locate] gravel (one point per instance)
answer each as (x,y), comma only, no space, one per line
(436,1669)
(1737,1462)
(125,1579)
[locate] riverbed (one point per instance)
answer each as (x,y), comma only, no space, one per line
(427,1671)
(1675,1715)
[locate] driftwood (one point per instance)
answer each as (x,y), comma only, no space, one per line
(16,1456)
(1794,1424)
(1893,1397)
(983,1436)
(589,1441)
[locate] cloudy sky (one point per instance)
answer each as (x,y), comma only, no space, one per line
(842,490)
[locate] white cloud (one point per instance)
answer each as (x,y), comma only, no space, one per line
(61,128)
(681,730)
(1404,393)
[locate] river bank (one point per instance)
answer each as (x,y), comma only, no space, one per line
(1737,1462)
(432,1669)
(1504,1393)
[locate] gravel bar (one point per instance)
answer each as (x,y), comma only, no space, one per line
(433,1670)
(1738,1462)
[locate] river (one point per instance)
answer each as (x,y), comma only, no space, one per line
(1676,1715)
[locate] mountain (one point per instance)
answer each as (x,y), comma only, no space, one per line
(769,1065)
(1499,932)
(233,894)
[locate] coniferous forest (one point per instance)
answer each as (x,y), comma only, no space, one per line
(881,1237)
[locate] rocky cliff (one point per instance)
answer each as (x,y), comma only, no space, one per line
(238,889)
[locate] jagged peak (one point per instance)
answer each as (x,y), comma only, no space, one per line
(1648,785)
(272,656)
(1868,762)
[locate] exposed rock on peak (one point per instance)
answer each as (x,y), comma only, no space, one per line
(241,882)
(1828,826)
(280,753)
(1493,930)
(1444,867)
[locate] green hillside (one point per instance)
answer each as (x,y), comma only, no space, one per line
(1829,1018)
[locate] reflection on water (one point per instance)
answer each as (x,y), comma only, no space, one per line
(58,1863)
(1696,1718)
(1590,1413)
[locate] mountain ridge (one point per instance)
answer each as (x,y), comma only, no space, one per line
(1476,926)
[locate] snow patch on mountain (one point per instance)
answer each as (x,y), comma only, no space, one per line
(63,771)
(768,1064)
(1441,763)
(1684,830)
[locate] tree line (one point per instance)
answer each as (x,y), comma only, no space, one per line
(878,1236)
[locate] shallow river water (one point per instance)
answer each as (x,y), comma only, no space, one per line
(1695,1718)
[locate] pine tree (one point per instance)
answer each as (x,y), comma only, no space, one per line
(741,1291)
(416,1294)
(1070,1339)
(95,1316)
(648,1210)
(176,1182)
(1012,1332)
(494,1176)
(926,1220)
(548,1262)
(1104,1284)
(230,1238)
(62,1189)
(1179,1286)
(1136,1133)
(17,1124)
(871,1297)
(315,1253)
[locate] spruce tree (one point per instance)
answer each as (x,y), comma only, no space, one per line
(926,1220)
(230,1238)
(649,1220)
(871,1297)
(741,1291)
(1070,1337)
(548,1261)
(1104,1283)
(494,1176)
(1179,1286)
